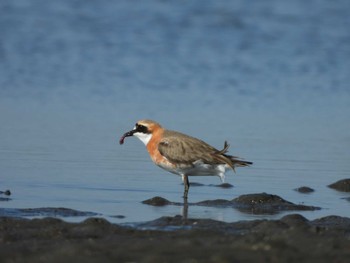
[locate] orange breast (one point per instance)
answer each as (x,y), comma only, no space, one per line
(152,148)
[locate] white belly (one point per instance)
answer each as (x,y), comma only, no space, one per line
(199,169)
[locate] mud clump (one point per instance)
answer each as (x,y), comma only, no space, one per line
(304,190)
(341,185)
(261,198)
(264,203)
(157,201)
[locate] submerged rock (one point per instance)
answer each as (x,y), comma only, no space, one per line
(264,203)
(260,198)
(304,190)
(341,185)
(157,201)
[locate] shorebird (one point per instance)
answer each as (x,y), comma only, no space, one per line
(182,154)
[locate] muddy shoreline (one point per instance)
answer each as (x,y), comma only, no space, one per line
(293,238)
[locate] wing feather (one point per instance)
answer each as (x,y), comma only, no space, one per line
(181,148)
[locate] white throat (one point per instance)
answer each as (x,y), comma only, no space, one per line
(144,137)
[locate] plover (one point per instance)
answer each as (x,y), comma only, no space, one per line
(182,154)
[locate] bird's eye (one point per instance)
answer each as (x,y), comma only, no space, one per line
(141,128)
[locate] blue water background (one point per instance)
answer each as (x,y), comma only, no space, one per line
(271,77)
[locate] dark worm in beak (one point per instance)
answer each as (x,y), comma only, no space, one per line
(127,134)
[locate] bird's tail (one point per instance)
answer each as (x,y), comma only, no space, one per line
(240,163)
(230,160)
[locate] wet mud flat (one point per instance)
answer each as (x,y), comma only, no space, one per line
(293,238)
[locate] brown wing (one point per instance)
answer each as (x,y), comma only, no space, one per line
(178,147)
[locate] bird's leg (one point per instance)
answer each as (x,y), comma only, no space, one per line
(185,210)
(187,186)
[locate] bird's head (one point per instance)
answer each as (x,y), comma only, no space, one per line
(143,130)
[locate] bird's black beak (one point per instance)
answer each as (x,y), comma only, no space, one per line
(127,134)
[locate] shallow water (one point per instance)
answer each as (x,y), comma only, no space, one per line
(271,78)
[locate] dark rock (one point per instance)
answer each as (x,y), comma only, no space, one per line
(264,203)
(157,201)
(260,198)
(341,185)
(304,190)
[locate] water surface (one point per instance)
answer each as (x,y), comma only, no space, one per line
(271,78)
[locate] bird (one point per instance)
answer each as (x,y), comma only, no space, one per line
(182,154)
